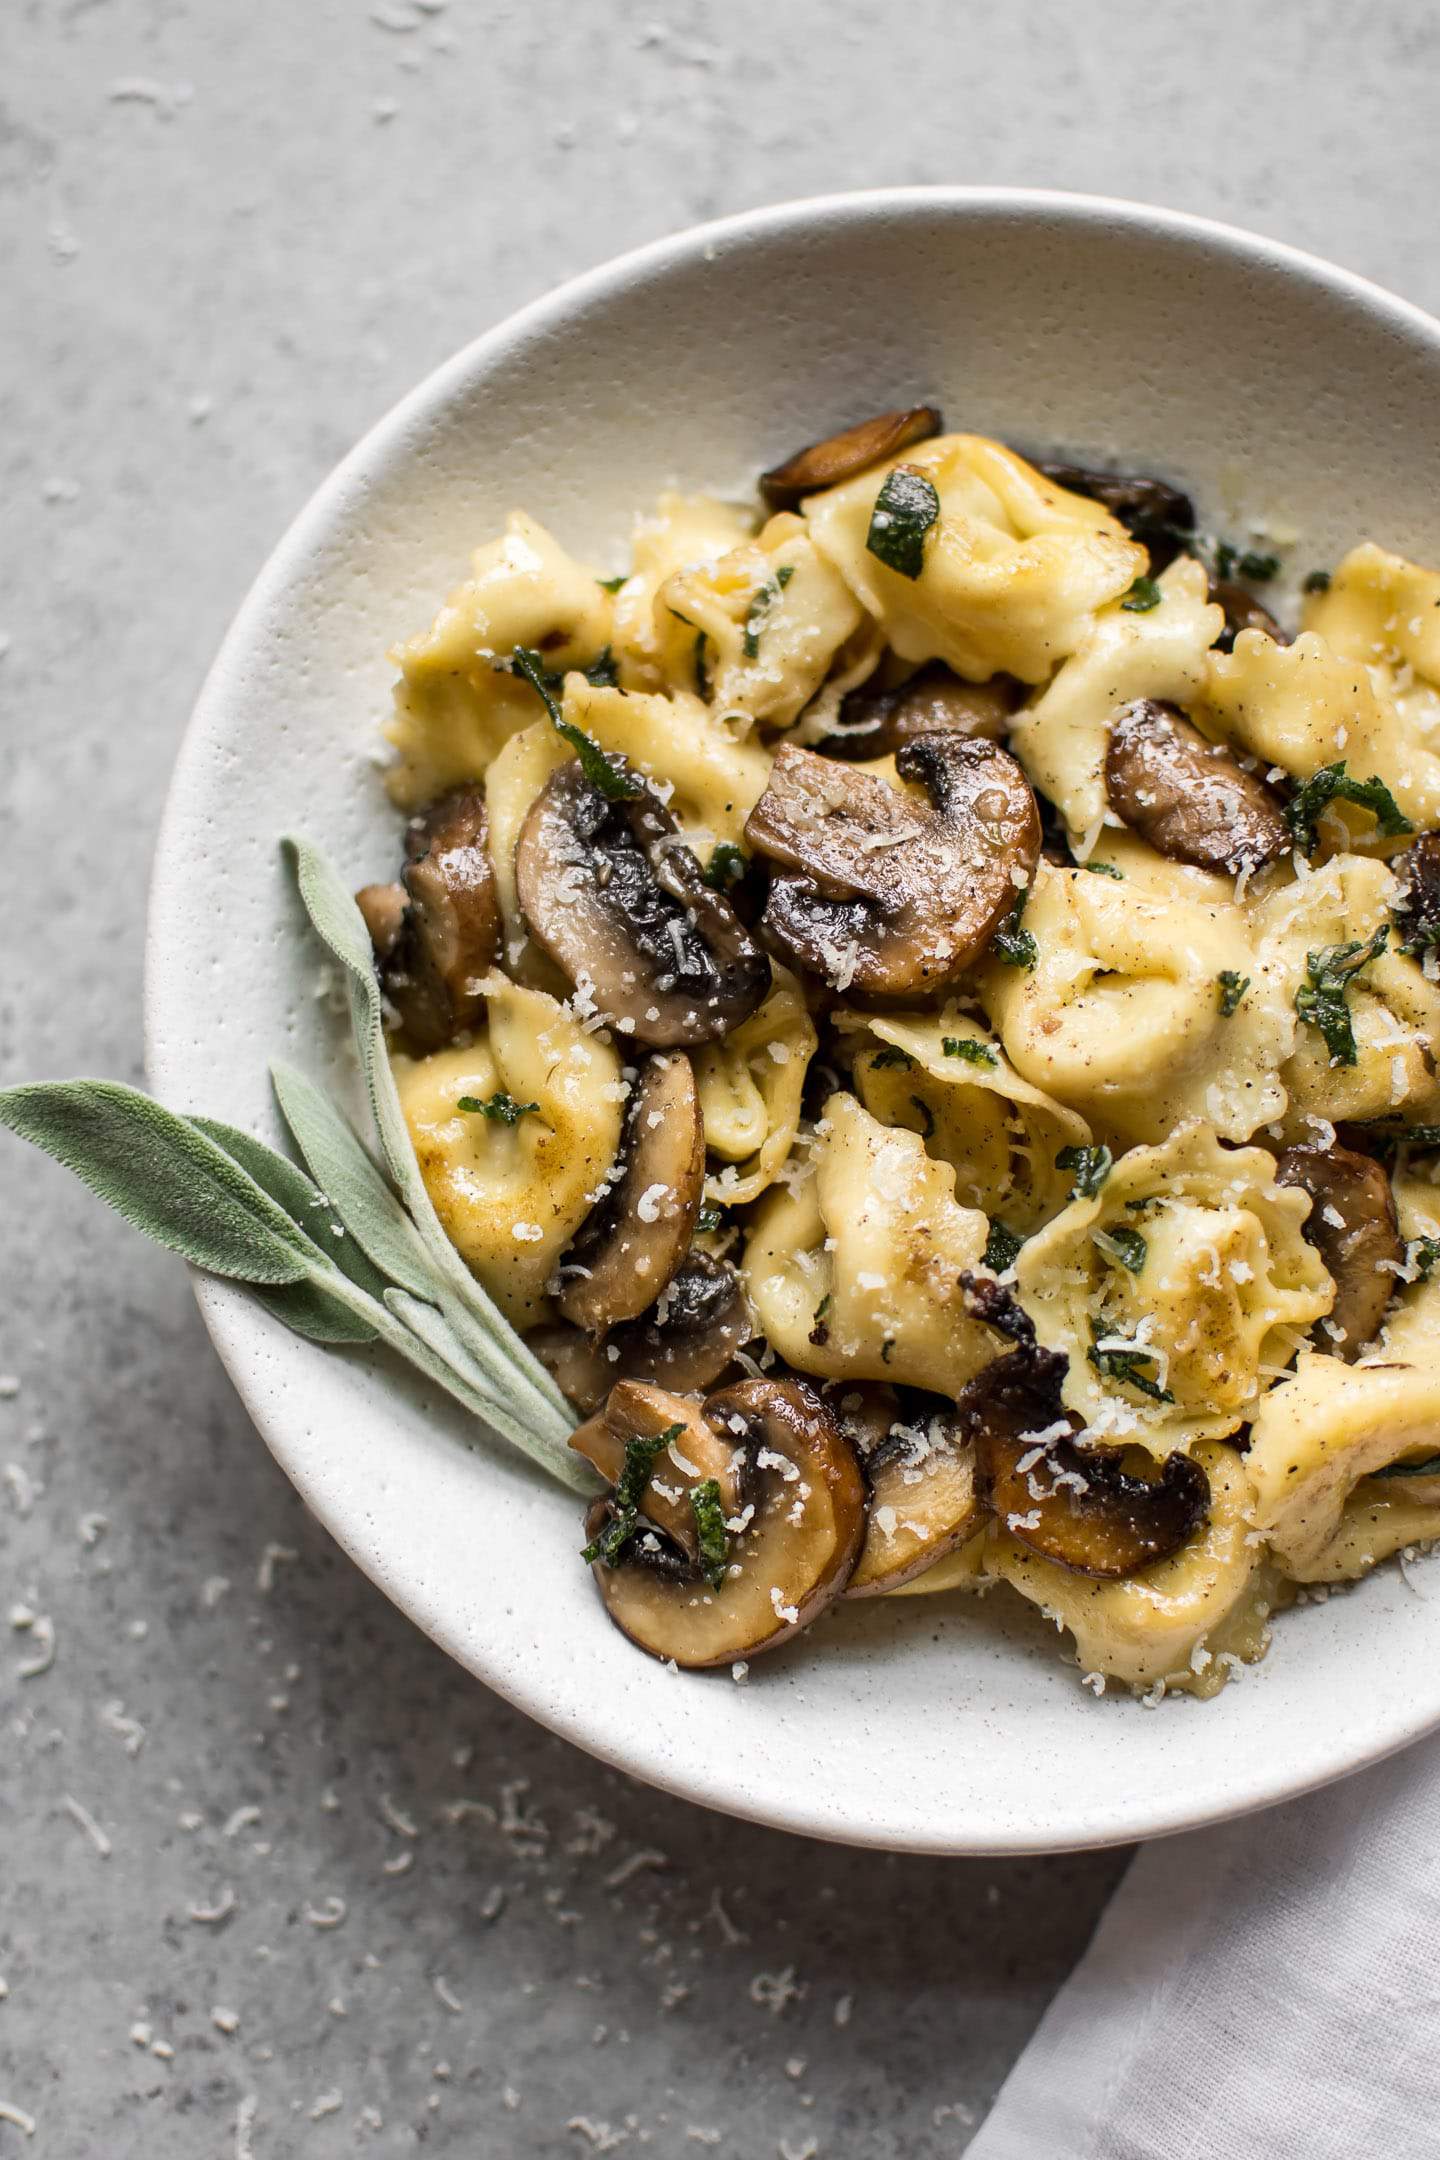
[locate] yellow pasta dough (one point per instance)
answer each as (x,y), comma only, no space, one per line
(511,1197)
(750,1086)
(1164,1626)
(1015,567)
(1121,1015)
(773,614)
(948,1078)
(1159,652)
(853,1267)
(1224,1289)
(683,530)
(454,707)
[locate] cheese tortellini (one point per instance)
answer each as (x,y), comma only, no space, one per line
(1180,1288)
(1089,1070)
(1013,575)
(948,1079)
(512,1196)
(456,702)
(1121,1014)
(1153,652)
(1393,1007)
(853,1269)
(1303,706)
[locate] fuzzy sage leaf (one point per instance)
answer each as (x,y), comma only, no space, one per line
(163,1175)
(476,1318)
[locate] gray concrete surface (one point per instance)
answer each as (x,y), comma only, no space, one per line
(335,1899)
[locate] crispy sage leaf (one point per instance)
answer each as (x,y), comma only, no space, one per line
(163,1175)
(905,509)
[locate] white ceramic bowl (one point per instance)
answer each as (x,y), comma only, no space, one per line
(1265,379)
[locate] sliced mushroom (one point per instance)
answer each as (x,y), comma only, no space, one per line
(890,893)
(1417,914)
(1153,512)
(693,1452)
(619,902)
(685,1342)
(933,701)
(436,934)
(1074,1502)
(924,1501)
(840,457)
(1243,612)
(630,1245)
(1353,1227)
(1189,798)
(806,1501)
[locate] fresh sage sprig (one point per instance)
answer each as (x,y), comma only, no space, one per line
(331,1250)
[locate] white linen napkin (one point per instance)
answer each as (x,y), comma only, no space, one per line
(1268,1990)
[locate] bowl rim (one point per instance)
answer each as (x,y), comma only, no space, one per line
(224,1311)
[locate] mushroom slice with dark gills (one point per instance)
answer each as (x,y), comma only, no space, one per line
(632,1242)
(932,701)
(1417,912)
(925,1499)
(1190,799)
(840,457)
(1075,1502)
(1353,1227)
(786,1555)
(437,932)
(618,901)
(685,1342)
(892,892)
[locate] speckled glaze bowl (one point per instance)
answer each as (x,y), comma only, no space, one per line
(1270,383)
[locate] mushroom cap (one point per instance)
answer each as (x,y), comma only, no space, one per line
(891,892)
(792,1557)
(933,701)
(635,1410)
(1352,1225)
(685,1342)
(632,1242)
(925,1500)
(838,457)
(1190,799)
(1075,1503)
(436,935)
(618,901)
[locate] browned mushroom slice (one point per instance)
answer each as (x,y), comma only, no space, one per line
(890,893)
(620,904)
(1243,612)
(1074,1502)
(1352,1226)
(924,1501)
(436,935)
(933,701)
(840,457)
(644,1428)
(685,1342)
(788,1562)
(1153,512)
(1417,914)
(630,1244)
(1189,798)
